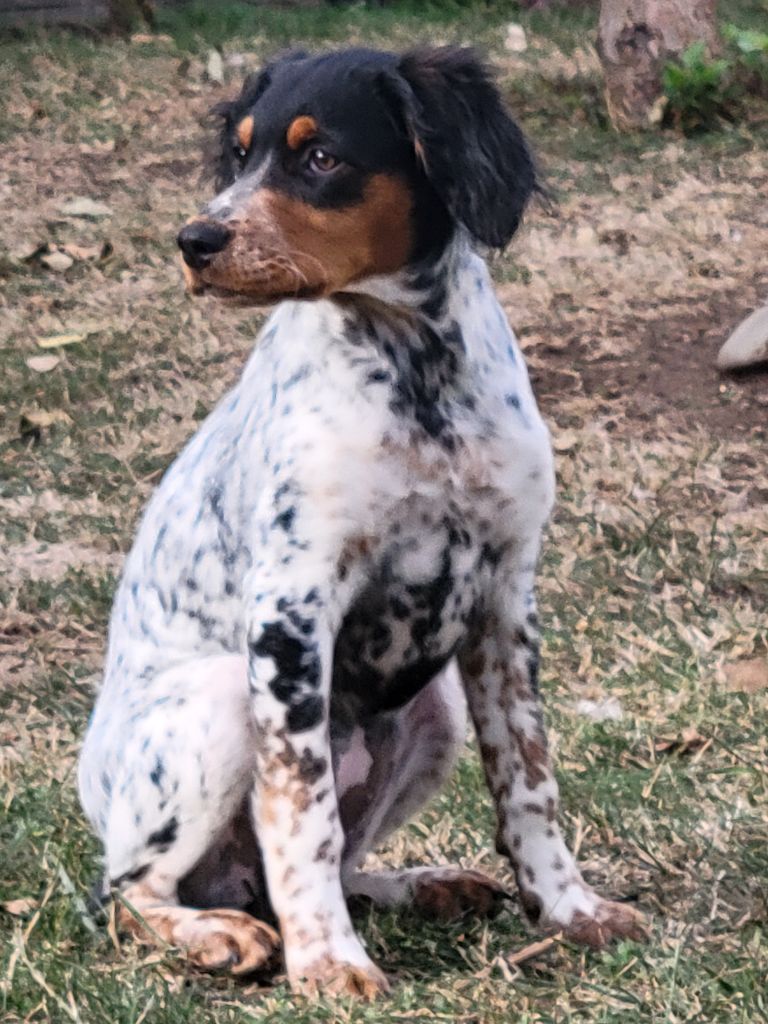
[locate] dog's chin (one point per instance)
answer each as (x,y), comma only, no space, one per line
(266,294)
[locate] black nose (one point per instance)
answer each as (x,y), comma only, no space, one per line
(200,240)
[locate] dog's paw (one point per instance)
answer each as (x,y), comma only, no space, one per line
(337,979)
(607,922)
(230,940)
(451,893)
(213,940)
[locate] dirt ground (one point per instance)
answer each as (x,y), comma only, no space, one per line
(669,373)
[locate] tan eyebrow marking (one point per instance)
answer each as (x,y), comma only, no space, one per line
(300,130)
(245,132)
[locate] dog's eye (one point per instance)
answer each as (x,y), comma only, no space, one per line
(240,152)
(321,161)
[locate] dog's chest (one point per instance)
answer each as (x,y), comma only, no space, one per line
(421,589)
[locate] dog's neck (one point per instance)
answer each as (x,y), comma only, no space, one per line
(421,289)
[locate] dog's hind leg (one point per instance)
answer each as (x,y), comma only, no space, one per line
(411,756)
(445,893)
(178,764)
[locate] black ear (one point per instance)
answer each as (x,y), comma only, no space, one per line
(473,153)
(219,162)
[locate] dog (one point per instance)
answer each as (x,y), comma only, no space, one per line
(342,559)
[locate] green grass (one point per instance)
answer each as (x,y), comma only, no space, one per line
(655,574)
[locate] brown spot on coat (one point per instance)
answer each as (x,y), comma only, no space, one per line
(300,130)
(535,759)
(474,664)
(323,850)
(244,132)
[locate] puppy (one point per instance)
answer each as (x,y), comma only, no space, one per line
(346,549)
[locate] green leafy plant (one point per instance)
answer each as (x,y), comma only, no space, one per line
(699,90)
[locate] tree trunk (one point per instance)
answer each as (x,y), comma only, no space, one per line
(636,38)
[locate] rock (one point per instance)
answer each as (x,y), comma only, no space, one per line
(214,67)
(58,261)
(748,344)
(42,364)
(515,40)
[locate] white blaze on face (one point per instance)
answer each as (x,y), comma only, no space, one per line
(226,203)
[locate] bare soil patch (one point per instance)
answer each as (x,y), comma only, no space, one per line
(667,374)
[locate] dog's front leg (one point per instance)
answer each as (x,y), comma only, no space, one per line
(499,666)
(290,647)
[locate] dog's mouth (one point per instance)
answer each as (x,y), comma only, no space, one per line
(256,290)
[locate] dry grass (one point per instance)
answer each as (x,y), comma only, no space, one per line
(654,587)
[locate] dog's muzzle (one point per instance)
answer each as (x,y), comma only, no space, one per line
(200,241)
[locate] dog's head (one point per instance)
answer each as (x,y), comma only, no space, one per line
(350,165)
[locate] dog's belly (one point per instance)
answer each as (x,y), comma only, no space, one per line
(407,622)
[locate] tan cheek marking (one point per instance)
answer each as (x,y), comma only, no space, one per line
(284,246)
(245,132)
(300,130)
(337,247)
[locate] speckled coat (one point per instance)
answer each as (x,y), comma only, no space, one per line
(343,552)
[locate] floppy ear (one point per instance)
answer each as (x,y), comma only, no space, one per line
(473,153)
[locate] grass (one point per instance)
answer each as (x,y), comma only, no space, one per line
(655,576)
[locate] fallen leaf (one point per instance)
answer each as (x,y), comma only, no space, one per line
(656,113)
(59,340)
(36,420)
(99,147)
(27,250)
(747,676)
(565,440)
(83,252)
(534,949)
(83,206)
(58,261)
(18,907)
(622,182)
(42,364)
(147,37)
